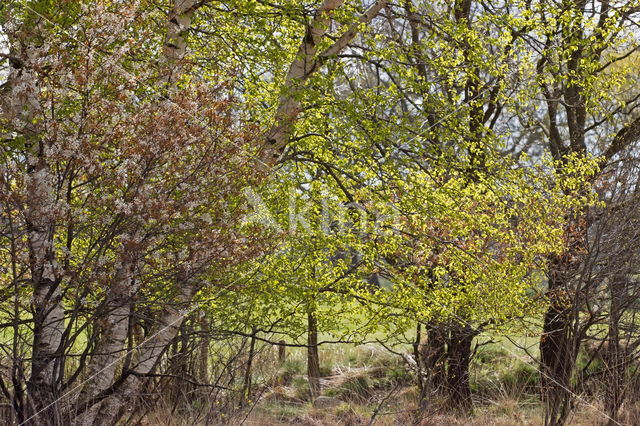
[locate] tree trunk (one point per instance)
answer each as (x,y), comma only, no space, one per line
(434,355)
(175,44)
(430,359)
(559,342)
(616,358)
(246,388)
(459,359)
(557,357)
(420,370)
(47,361)
(114,405)
(282,352)
(306,62)
(47,366)
(114,328)
(313,358)
(203,356)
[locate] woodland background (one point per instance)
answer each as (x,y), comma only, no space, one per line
(320,212)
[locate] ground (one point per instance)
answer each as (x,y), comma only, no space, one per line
(368,385)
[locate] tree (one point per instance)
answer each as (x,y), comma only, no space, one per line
(586,113)
(396,148)
(120,210)
(115,205)
(431,107)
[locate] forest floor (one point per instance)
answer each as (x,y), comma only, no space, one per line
(368,385)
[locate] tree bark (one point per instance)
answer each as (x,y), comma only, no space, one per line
(434,355)
(557,353)
(203,356)
(175,44)
(431,362)
(115,402)
(313,358)
(47,364)
(306,62)
(282,352)
(114,328)
(21,105)
(246,388)
(459,359)
(616,357)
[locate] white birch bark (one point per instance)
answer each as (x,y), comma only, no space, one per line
(108,354)
(46,364)
(175,44)
(147,356)
(22,96)
(306,62)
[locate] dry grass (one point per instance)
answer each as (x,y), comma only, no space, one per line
(361,377)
